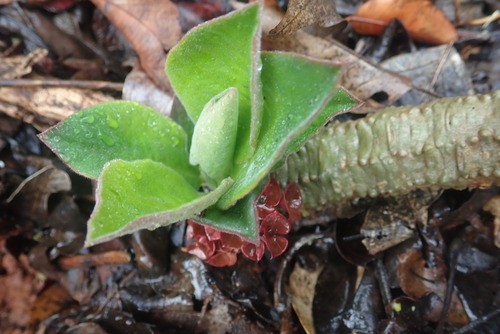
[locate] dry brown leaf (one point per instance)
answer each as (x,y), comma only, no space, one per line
(140,88)
(493,206)
(49,302)
(61,43)
(302,290)
(19,284)
(417,279)
(424,21)
(302,13)
(438,69)
(151,27)
(44,106)
(361,78)
(31,197)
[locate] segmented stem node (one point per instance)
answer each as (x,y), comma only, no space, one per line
(447,143)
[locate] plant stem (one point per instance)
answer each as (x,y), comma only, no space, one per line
(447,143)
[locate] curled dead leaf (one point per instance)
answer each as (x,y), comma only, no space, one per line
(152,27)
(419,279)
(424,21)
(31,197)
(139,87)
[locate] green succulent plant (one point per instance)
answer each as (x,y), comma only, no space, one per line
(248,110)
(248,114)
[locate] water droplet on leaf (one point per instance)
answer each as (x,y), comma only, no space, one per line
(89,119)
(152,122)
(112,123)
(106,139)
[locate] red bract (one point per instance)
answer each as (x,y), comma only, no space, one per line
(275,223)
(230,242)
(212,233)
(275,210)
(268,199)
(271,194)
(271,226)
(276,244)
(194,231)
(222,259)
(292,201)
(203,248)
(252,251)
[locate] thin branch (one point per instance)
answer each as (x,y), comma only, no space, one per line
(25,181)
(44,83)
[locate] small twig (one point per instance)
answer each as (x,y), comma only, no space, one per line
(354,237)
(94,259)
(457,11)
(25,181)
(383,283)
(113,293)
(454,248)
(44,83)
(365,20)
(479,321)
(485,21)
(441,64)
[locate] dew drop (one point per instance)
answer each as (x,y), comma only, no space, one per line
(89,119)
(152,122)
(175,140)
(106,139)
(112,123)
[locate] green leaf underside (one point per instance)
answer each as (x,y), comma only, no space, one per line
(120,130)
(214,56)
(214,136)
(143,194)
(240,218)
(295,91)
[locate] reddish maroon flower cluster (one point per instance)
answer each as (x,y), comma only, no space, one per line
(275,210)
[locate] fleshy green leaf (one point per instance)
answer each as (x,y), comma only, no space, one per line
(119,130)
(295,90)
(240,218)
(341,101)
(214,136)
(179,115)
(214,56)
(143,194)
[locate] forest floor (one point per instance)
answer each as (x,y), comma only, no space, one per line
(60,56)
